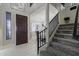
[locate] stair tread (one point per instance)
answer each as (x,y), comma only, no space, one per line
(67,27)
(56,52)
(63,34)
(65,30)
(66,46)
(67,24)
(45,53)
(69,40)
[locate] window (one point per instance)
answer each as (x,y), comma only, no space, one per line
(8,25)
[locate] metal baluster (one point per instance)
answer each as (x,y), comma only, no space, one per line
(44,37)
(40,39)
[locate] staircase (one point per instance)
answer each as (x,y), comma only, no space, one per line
(63,43)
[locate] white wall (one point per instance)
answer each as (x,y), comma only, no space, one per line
(52,12)
(6,8)
(67,13)
(39,16)
(1,34)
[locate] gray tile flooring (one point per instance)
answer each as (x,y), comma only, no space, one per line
(29,49)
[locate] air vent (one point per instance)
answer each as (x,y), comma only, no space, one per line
(72,8)
(31,4)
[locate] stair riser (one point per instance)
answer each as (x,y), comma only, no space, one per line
(63,36)
(66,24)
(68,27)
(66,32)
(65,50)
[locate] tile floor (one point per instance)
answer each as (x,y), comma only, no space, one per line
(29,49)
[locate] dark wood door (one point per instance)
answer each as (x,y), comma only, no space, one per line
(21,29)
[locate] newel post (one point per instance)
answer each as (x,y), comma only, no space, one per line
(37,34)
(47,22)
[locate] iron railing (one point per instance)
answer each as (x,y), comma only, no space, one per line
(75,31)
(53,24)
(41,36)
(41,39)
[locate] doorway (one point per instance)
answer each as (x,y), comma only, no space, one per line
(21,29)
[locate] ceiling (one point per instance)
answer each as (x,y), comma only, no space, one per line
(60,6)
(25,7)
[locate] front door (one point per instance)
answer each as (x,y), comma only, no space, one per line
(21,29)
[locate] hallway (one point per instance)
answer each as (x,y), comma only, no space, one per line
(28,49)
